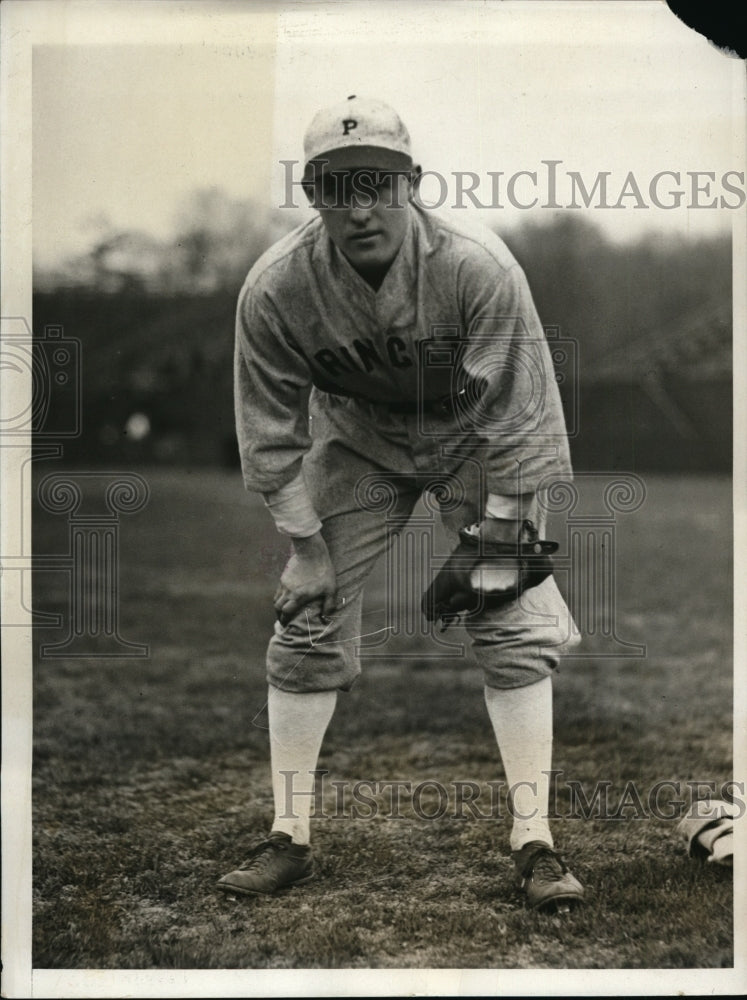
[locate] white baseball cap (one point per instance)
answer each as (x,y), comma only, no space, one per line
(361,132)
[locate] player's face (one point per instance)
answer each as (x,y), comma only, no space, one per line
(365,215)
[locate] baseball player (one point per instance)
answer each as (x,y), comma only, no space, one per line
(334,392)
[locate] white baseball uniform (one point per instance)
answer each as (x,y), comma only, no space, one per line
(340,387)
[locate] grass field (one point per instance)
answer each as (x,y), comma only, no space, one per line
(151,775)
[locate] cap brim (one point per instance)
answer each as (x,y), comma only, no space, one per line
(356,158)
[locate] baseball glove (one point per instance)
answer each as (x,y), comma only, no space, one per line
(709,833)
(480,574)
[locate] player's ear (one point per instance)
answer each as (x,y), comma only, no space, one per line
(415,174)
(308,188)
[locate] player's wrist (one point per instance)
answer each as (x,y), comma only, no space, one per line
(513,506)
(292,509)
(309,545)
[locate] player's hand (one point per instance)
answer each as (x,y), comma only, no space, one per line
(488,572)
(308,577)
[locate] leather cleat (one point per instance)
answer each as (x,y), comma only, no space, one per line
(276,863)
(545,878)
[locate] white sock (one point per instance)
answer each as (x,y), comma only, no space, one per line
(522,722)
(298,723)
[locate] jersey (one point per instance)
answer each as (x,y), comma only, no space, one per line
(307,321)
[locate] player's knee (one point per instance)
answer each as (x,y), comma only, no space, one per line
(519,670)
(300,660)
